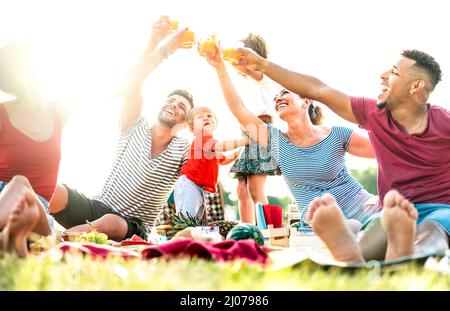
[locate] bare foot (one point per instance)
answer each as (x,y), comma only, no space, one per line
(329,223)
(398,218)
(21,221)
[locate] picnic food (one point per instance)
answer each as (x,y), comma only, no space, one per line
(246,231)
(208,47)
(224,226)
(180,222)
(92,237)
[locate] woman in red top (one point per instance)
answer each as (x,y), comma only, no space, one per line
(202,168)
(30,133)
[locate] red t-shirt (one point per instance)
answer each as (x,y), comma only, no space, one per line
(37,161)
(416,165)
(202,166)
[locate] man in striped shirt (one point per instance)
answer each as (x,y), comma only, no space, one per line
(147,162)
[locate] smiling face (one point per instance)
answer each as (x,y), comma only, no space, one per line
(288,105)
(174,111)
(397,82)
(203,120)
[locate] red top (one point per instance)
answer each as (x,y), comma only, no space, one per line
(202,166)
(416,165)
(21,155)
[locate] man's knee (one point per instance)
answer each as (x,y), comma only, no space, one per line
(59,200)
(113,225)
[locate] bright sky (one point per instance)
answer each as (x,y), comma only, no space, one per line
(87,46)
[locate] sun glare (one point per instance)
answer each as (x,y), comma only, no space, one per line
(85,49)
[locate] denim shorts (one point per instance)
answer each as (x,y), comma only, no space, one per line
(435,212)
(44,202)
(189,198)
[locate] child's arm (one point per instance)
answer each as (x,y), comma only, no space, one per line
(229,157)
(229,144)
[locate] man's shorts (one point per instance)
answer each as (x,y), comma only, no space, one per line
(436,212)
(80,209)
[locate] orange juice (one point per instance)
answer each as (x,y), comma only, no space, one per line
(187,39)
(231,55)
(174,24)
(208,47)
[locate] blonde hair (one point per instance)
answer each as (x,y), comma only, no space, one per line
(197,110)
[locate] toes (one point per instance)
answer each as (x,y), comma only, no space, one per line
(409,208)
(413,212)
(399,199)
(328,199)
(392,198)
(406,205)
(313,206)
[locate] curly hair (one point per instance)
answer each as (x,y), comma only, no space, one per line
(315,114)
(256,43)
(427,64)
(185,94)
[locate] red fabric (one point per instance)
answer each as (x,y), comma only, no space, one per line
(202,166)
(21,155)
(221,251)
(98,250)
(417,165)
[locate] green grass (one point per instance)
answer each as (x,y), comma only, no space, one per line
(75,272)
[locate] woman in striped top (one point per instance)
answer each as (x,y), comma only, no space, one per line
(310,156)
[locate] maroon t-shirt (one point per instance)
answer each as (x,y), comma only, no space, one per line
(416,165)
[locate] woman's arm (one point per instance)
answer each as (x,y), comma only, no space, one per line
(255,128)
(360,146)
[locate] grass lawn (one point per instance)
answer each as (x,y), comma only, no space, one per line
(75,272)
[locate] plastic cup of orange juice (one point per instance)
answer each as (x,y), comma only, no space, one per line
(187,39)
(231,55)
(208,47)
(174,24)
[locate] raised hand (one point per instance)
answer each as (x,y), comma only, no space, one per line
(175,42)
(160,29)
(215,59)
(249,59)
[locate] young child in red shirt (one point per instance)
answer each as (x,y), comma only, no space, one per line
(201,171)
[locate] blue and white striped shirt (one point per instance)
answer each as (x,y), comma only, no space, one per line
(318,169)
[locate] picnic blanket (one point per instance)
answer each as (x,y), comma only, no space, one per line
(275,258)
(222,251)
(292,257)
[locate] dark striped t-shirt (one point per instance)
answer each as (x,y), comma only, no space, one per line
(139,185)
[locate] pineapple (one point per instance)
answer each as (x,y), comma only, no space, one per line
(224,226)
(180,222)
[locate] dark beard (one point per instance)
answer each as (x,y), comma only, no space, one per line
(381,105)
(166,123)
